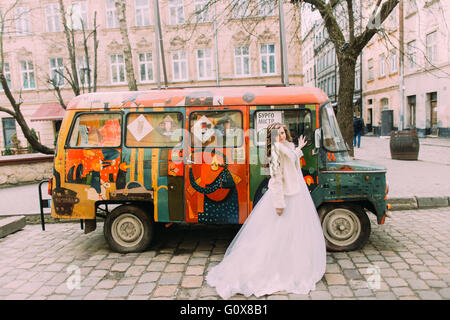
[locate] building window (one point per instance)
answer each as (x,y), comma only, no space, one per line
(267,58)
(431,47)
(7,74)
(22,17)
(52,17)
(204,63)
(176,11)
(357,80)
(385,103)
(179,65)
(142,9)
(57,71)
(202,10)
(84,72)
(411,7)
(27,73)
(146,67)
(241,61)
(370,68)
(240,9)
(382,70)
(117,68)
(411,47)
(266,8)
(79,15)
(112,20)
(333,84)
(9,129)
(393,64)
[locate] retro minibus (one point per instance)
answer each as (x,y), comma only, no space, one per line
(196,155)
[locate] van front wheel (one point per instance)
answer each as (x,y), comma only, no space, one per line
(345,227)
(128,229)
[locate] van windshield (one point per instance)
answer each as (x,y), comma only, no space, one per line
(332,136)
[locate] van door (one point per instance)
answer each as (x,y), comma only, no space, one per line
(153,151)
(216,172)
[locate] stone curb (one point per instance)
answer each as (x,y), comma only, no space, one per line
(412,203)
(11,224)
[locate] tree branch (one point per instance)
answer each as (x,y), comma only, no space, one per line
(351,20)
(8,93)
(8,111)
(377,18)
(326,11)
(71,48)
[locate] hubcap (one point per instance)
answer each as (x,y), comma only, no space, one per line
(127,230)
(341,227)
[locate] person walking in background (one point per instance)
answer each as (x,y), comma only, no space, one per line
(358,126)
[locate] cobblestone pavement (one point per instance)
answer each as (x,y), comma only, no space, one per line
(407,258)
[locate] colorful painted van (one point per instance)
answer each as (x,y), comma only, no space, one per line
(197,155)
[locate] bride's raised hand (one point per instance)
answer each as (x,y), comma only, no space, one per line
(301,141)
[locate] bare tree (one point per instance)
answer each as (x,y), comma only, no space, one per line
(348,44)
(71,75)
(15,112)
(122,14)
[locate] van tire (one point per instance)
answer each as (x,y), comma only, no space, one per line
(346,227)
(128,229)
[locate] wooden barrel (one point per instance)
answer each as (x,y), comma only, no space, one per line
(404,145)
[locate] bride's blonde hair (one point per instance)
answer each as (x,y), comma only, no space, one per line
(270,129)
(272,153)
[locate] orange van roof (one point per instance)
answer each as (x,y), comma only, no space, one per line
(214,96)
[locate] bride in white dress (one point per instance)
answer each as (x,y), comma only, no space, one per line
(281,246)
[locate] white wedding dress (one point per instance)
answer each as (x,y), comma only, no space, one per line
(272,253)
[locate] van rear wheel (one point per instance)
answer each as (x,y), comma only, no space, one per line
(346,227)
(128,229)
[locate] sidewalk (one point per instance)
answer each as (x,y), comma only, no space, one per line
(413,184)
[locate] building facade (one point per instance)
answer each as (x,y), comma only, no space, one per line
(427,67)
(409,91)
(205,43)
(381,78)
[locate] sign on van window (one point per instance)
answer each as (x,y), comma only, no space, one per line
(96,130)
(297,120)
(155,129)
(263,120)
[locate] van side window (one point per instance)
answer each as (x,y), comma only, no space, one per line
(96,130)
(216,129)
(298,122)
(154,129)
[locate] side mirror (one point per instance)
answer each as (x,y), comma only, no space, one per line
(317,138)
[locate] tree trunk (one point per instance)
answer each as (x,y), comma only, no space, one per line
(18,116)
(345,99)
(70,41)
(121,13)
